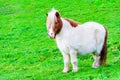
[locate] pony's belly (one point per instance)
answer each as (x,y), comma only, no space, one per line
(85,49)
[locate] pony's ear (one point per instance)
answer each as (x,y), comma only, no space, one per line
(46,14)
(57,14)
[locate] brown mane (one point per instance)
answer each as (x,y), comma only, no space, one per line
(73,23)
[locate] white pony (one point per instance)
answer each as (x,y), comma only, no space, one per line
(72,38)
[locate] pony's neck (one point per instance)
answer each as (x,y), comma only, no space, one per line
(66,27)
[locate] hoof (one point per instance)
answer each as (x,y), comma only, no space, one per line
(75,70)
(65,70)
(95,65)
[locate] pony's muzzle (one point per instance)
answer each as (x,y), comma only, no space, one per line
(51,35)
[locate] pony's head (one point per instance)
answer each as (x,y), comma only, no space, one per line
(53,23)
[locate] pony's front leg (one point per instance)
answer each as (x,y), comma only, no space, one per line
(73,55)
(66,58)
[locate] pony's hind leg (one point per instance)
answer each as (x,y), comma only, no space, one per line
(101,50)
(73,55)
(96,62)
(66,58)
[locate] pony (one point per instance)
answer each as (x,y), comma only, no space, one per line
(73,38)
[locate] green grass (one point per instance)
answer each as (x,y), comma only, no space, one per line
(26,52)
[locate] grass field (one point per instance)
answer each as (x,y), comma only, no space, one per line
(26,52)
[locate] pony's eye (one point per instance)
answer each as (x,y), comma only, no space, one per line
(56,22)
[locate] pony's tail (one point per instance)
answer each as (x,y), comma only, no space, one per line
(103,54)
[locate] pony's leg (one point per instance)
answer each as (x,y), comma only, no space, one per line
(66,58)
(96,62)
(73,55)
